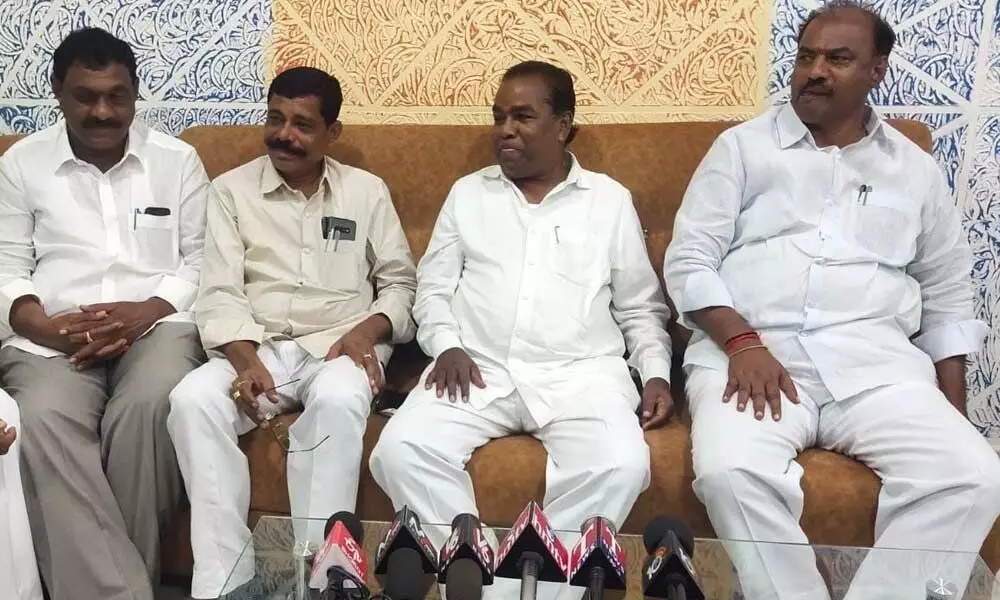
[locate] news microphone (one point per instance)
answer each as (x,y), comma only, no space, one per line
(531,552)
(405,532)
(405,578)
(597,561)
(465,547)
(342,550)
(941,589)
(668,571)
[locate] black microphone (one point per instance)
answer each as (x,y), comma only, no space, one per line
(597,561)
(405,544)
(668,571)
(466,547)
(405,578)
(531,552)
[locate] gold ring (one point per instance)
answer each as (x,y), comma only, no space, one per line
(236,395)
(367,356)
(90,340)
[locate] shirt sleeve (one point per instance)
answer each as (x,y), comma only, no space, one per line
(222,310)
(637,301)
(437,279)
(181,288)
(942,266)
(394,272)
(17,254)
(704,229)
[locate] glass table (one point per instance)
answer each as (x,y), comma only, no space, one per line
(271,567)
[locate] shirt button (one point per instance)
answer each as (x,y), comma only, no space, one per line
(301,282)
(307,251)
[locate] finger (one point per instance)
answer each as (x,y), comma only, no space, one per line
(334,351)
(772,393)
(660,416)
(431,377)
(95,333)
(103,307)
(82,324)
(452,384)
(374,373)
(442,382)
(743,396)
(731,386)
(788,386)
(86,353)
(648,406)
(477,377)
(112,349)
(759,400)
(464,377)
(265,383)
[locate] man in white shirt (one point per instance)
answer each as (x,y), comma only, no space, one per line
(18,571)
(103,224)
(534,285)
(307,282)
(822,265)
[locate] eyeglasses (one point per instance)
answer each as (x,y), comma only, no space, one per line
(280,430)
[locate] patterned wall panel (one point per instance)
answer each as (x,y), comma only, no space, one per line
(439,61)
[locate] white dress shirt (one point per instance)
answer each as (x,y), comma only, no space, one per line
(852,251)
(547,297)
(73,235)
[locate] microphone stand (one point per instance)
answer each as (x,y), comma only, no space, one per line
(596,586)
(530,563)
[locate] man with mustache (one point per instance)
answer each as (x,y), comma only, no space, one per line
(534,285)
(307,283)
(821,262)
(103,225)
(18,571)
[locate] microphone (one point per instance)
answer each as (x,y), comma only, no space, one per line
(466,547)
(597,561)
(668,571)
(342,554)
(531,552)
(404,556)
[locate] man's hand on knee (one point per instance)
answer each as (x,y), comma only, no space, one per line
(754,374)
(453,371)
(657,404)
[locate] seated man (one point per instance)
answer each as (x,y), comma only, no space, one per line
(308,281)
(821,262)
(103,224)
(18,571)
(535,283)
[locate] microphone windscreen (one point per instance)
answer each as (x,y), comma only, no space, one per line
(350,521)
(657,529)
(465,581)
(405,575)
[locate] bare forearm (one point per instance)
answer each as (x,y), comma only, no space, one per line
(721,323)
(377,327)
(28,319)
(951,380)
(241,354)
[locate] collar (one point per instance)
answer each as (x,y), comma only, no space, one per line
(791,130)
(577,175)
(63,152)
(271,180)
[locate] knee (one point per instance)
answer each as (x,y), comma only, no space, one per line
(342,390)
(985,478)
(395,453)
(196,396)
(628,466)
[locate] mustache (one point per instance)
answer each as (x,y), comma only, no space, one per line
(815,86)
(102,124)
(279,144)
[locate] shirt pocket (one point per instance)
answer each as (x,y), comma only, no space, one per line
(564,288)
(340,266)
(886,225)
(155,237)
(568,257)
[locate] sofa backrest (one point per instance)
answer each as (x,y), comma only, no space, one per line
(420,162)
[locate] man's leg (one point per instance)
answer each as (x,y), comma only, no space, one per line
(420,457)
(138,455)
(940,485)
(204,423)
(597,465)
(336,400)
(18,569)
(748,480)
(80,537)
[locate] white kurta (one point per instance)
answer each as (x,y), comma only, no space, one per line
(546,299)
(18,570)
(853,266)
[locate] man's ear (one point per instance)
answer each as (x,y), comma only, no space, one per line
(879,69)
(335,129)
(56,86)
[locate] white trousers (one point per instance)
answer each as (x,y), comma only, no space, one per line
(18,569)
(598,463)
(940,482)
(205,422)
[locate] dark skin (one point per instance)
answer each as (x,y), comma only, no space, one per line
(529,143)
(7,437)
(99,106)
(836,67)
(297,137)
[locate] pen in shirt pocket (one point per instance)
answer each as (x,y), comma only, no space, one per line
(155,211)
(863,193)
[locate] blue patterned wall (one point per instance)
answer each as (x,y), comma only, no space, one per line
(202,61)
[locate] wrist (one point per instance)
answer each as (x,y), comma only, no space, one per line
(161,306)
(742,342)
(376,328)
(242,354)
(28,319)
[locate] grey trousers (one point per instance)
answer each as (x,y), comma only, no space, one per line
(99,471)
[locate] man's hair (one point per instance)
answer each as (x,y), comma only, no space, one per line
(562,97)
(299,82)
(94,48)
(882,33)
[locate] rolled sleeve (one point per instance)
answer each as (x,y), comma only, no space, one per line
(956,339)
(651,367)
(219,332)
(703,289)
(399,317)
(180,293)
(441,341)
